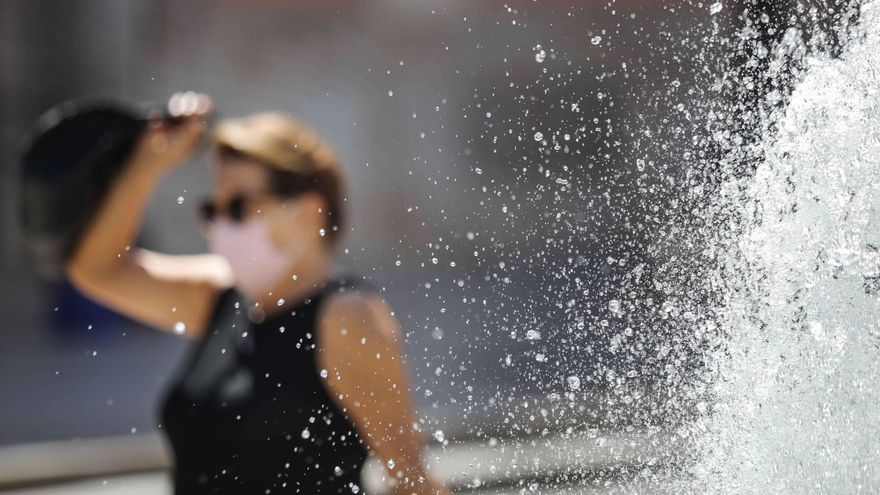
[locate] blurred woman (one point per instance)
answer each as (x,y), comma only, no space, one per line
(296,374)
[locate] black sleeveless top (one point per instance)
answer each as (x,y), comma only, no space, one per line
(250,413)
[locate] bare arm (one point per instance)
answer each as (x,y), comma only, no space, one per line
(359,348)
(169,292)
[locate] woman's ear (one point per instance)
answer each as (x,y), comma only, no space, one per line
(314,210)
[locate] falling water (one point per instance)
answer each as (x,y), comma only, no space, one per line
(795,403)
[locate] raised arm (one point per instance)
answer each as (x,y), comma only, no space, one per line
(359,347)
(174,293)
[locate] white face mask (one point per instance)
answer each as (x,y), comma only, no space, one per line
(257,263)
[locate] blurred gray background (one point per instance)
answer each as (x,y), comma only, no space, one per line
(502,250)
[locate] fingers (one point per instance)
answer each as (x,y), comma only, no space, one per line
(157,139)
(189,109)
(167,142)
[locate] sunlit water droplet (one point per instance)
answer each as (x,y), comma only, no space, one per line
(614,307)
(540,55)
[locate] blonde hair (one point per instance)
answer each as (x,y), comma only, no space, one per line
(300,160)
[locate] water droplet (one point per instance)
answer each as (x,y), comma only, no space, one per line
(614,307)
(540,55)
(539,136)
(180,200)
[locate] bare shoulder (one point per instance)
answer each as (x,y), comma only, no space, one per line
(359,345)
(355,316)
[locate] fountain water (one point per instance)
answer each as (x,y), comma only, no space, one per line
(795,397)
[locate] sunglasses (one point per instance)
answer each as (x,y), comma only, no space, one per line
(236,209)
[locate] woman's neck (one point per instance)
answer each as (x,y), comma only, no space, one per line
(309,273)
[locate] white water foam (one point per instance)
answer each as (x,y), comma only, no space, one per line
(797,399)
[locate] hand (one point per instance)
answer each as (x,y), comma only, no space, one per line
(168,142)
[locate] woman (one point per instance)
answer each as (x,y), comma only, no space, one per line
(296,374)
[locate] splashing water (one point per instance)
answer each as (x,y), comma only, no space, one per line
(797,386)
